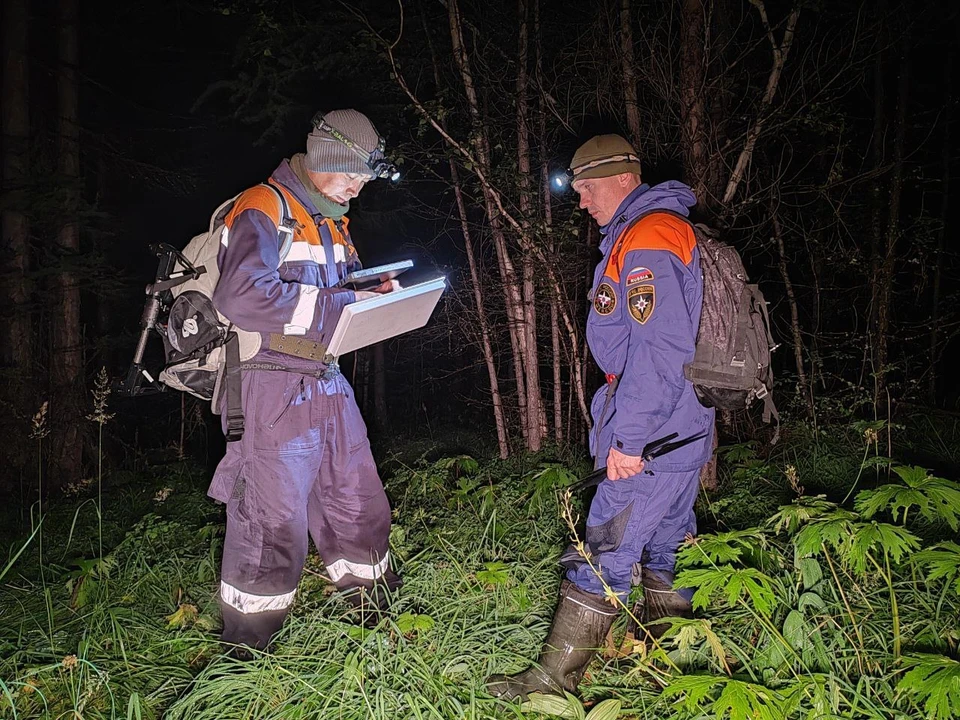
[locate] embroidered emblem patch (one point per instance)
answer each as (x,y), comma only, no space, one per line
(639,275)
(605,299)
(641,300)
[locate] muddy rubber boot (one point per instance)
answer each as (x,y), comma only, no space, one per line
(580,624)
(660,600)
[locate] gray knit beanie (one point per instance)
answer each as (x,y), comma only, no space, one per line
(326,153)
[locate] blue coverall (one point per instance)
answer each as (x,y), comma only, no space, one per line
(304,463)
(642,328)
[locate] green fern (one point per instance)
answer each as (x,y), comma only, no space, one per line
(935,498)
(722,547)
(733,584)
(942,561)
(935,681)
(737,700)
(791,518)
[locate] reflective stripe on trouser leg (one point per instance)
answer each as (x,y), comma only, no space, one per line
(624,517)
(348,511)
(266,540)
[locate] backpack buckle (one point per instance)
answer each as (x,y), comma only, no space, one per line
(762,392)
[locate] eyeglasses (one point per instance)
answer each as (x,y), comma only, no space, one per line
(379,166)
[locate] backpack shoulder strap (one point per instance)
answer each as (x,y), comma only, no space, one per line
(271,201)
(286,226)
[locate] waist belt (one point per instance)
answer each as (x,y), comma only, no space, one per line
(328,373)
(300,347)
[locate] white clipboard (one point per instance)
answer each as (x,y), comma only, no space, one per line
(369,321)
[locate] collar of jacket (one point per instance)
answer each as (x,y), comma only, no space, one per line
(670,195)
(314,203)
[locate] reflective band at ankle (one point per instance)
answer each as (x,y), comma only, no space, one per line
(248,603)
(341,567)
(591,608)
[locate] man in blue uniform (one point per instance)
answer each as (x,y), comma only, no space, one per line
(642,329)
(304,463)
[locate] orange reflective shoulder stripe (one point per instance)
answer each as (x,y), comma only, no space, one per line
(256,198)
(657,231)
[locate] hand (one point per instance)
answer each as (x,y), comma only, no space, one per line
(387,286)
(620,466)
(364,295)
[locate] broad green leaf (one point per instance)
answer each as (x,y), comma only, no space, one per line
(810,572)
(722,547)
(733,584)
(747,701)
(692,690)
(942,562)
(607,710)
(565,707)
(795,630)
(879,539)
(494,573)
(936,499)
(791,518)
(935,681)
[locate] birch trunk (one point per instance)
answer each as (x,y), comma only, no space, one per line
(535,429)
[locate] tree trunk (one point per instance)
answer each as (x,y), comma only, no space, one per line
(499,416)
(803,386)
(628,67)
(781,51)
(16,357)
(693,116)
(942,232)
(512,290)
(66,362)
(888,266)
(877,158)
(535,429)
(503,443)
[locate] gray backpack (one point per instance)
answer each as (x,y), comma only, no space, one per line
(731,366)
(204,350)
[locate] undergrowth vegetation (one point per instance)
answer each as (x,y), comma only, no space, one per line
(827,584)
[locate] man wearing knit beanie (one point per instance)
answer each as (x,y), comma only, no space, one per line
(303,466)
(642,329)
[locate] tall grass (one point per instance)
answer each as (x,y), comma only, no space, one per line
(806,608)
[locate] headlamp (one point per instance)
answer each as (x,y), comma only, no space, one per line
(378,164)
(561,180)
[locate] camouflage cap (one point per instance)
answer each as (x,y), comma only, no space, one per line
(604,156)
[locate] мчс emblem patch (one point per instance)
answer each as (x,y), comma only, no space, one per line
(605,299)
(641,300)
(639,275)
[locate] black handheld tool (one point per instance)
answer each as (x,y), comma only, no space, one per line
(653,449)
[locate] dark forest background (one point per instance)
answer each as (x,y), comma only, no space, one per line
(816,135)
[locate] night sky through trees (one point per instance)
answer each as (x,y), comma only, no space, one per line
(819,138)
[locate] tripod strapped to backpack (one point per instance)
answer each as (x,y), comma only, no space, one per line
(139,381)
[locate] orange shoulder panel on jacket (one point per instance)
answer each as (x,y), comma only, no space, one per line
(657,231)
(256,198)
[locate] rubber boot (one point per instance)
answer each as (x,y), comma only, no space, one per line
(580,624)
(660,600)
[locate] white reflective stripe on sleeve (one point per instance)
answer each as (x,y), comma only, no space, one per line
(224,236)
(341,567)
(301,251)
(303,313)
(249,603)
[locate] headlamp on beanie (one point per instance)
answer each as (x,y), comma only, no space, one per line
(375,160)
